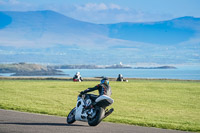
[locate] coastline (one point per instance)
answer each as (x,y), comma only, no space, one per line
(36,71)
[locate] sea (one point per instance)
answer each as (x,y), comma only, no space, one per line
(184,73)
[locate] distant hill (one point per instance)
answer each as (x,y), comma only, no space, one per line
(44,29)
(24,69)
(166,32)
(50,37)
(160,67)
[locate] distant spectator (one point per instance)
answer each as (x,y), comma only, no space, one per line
(120,78)
(77,77)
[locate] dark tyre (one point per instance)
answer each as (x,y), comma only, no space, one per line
(71,116)
(100,112)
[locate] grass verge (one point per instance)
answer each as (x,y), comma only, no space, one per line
(153,103)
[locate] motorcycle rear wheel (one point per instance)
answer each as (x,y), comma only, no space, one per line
(71,116)
(100,112)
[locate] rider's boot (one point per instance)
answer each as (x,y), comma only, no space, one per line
(107,113)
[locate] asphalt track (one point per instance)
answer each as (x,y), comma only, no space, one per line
(19,122)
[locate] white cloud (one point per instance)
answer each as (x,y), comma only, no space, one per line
(98,7)
(111,13)
(15,5)
(114,6)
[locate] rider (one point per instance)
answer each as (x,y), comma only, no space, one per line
(77,77)
(120,78)
(103,88)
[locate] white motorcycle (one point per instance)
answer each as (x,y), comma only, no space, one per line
(91,109)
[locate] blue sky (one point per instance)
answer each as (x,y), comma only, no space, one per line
(110,11)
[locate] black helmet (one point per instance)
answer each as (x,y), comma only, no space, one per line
(105,81)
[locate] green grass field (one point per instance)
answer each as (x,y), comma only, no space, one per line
(152,103)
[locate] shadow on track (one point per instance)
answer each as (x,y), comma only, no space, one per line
(44,124)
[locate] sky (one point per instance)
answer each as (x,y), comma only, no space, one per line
(110,11)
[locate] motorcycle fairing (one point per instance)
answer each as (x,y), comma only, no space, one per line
(80,115)
(104,101)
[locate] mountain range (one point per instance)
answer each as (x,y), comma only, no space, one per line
(49,37)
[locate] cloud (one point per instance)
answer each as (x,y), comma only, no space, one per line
(98,7)
(114,6)
(93,7)
(111,13)
(15,5)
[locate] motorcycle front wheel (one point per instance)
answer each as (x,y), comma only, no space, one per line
(71,116)
(100,112)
